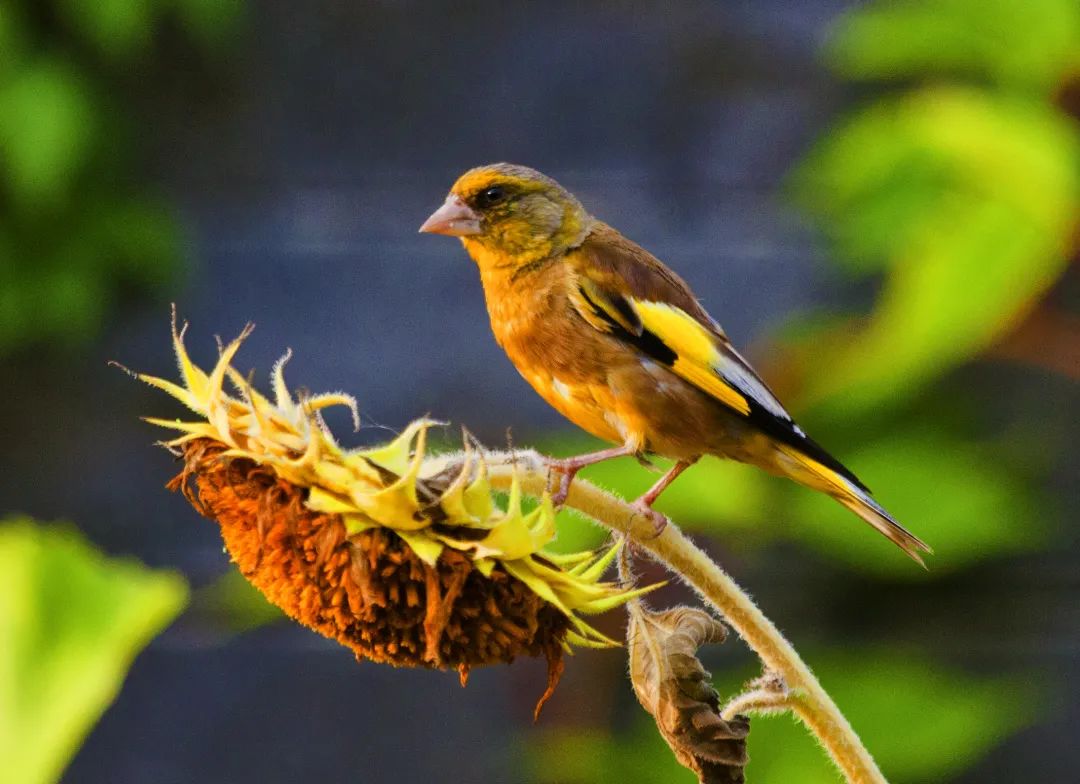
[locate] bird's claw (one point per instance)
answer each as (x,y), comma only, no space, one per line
(563,476)
(658,520)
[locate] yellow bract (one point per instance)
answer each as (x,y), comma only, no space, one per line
(392,485)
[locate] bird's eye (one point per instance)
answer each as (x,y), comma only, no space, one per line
(490,196)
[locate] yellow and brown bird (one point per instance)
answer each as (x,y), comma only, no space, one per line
(619,345)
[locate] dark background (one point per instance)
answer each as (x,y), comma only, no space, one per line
(300,154)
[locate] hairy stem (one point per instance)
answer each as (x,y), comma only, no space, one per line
(806,697)
(757,701)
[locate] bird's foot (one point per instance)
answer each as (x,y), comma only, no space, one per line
(658,520)
(565,469)
(561,475)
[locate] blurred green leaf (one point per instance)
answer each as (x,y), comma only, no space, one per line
(579,755)
(12,38)
(67,297)
(122,29)
(969,202)
(62,303)
(60,288)
(75,235)
(233,603)
(961,499)
(140,239)
(577,534)
(71,622)
(1027,44)
(117,28)
(213,22)
(47,126)
(921,721)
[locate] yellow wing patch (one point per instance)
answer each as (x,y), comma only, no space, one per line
(695,349)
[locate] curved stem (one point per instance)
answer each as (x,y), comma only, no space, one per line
(807,699)
(757,701)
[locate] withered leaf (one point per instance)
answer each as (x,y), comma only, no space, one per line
(673,686)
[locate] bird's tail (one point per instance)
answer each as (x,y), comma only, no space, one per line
(810,472)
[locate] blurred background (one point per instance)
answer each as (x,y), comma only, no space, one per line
(879,200)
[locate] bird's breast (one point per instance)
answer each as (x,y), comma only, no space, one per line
(537,328)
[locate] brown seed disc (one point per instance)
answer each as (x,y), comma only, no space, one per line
(368,591)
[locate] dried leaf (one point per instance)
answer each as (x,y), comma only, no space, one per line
(673,686)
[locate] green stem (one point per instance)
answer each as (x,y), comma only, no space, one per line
(807,699)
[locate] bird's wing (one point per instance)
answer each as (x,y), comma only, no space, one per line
(622,289)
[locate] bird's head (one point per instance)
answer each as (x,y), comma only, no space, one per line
(509,215)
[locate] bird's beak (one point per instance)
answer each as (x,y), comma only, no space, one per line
(454,219)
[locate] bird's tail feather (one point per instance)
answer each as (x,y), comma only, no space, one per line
(859,501)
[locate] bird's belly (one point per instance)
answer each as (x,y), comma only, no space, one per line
(590,406)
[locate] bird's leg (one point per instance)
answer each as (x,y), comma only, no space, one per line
(645,502)
(566,468)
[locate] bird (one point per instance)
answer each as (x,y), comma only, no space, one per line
(618,343)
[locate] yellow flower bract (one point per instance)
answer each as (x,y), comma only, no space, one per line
(388,486)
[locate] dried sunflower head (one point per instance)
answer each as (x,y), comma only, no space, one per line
(402,556)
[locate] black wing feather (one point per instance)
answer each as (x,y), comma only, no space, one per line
(787,432)
(783,429)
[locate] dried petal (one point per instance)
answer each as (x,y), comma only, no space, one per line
(673,686)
